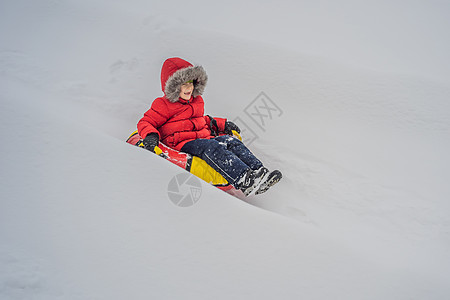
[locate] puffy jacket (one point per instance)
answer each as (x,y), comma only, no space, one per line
(175,120)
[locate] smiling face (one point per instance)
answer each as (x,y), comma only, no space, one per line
(186,90)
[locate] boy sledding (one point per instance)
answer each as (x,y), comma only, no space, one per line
(177,123)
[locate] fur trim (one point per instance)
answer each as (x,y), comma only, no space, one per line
(173,84)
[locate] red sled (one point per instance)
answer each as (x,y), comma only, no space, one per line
(190,163)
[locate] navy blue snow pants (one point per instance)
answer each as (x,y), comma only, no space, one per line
(225,154)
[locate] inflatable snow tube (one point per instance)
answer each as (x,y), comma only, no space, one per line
(190,163)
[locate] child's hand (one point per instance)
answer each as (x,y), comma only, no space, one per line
(230,126)
(151,141)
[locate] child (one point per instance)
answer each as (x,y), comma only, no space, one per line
(177,119)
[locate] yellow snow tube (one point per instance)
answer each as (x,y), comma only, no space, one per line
(201,169)
(192,164)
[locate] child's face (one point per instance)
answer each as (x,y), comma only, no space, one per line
(186,90)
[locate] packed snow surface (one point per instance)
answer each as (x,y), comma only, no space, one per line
(349,99)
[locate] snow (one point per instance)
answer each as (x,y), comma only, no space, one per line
(360,134)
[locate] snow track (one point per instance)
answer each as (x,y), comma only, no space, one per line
(361,212)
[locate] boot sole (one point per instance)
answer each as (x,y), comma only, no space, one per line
(273,179)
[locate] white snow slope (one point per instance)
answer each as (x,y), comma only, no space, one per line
(360,132)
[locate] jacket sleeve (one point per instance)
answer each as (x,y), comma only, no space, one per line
(215,124)
(156,116)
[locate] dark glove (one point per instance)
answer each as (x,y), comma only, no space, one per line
(151,141)
(230,126)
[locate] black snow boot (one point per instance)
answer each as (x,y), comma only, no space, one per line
(270,180)
(251,180)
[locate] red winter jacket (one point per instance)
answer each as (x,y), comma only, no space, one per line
(175,120)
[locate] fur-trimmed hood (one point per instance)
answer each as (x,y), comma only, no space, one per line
(176,71)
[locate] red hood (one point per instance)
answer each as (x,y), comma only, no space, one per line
(170,66)
(176,71)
